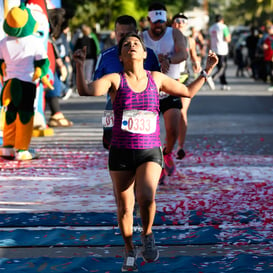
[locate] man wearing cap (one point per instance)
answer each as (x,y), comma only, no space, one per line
(169,45)
(180,21)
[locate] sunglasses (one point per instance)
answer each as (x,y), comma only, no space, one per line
(159,21)
(181,20)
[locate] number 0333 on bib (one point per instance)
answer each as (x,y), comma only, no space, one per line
(139,121)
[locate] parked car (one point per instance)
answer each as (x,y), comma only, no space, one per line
(235,35)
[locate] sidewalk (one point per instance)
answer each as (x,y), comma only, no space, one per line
(214,215)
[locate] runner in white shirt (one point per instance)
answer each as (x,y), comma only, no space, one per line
(219,37)
(168,44)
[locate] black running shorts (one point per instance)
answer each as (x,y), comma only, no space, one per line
(169,103)
(131,159)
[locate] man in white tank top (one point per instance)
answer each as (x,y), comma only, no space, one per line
(169,45)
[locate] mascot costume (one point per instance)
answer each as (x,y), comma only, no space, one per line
(23,61)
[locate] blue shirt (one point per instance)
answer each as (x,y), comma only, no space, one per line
(108,62)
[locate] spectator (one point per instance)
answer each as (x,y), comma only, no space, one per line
(96,40)
(240,61)
(259,55)
(65,54)
(91,56)
(219,37)
(143,24)
(268,55)
(251,44)
(57,118)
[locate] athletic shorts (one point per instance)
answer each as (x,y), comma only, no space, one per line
(131,159)
(169,103)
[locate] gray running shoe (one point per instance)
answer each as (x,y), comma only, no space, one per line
(129,263)
(150,251)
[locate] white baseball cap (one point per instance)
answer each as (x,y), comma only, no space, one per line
(158,15)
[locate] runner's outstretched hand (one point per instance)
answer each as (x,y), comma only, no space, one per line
(212,61)
(79,56)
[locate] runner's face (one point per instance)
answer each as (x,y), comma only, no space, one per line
(133,49)
(180,23)
(122,30)
(158,28)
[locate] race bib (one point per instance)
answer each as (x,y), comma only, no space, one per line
(108,118)
(139,121)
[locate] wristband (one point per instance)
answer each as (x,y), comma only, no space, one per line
(204,74)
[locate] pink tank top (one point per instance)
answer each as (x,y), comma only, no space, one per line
(127,100)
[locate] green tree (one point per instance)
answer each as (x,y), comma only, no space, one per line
(104,12)
(243,12)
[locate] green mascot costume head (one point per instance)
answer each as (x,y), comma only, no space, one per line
(20,22)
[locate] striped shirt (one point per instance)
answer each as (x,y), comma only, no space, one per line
(127,99)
